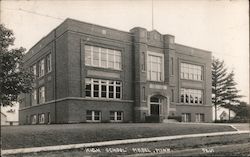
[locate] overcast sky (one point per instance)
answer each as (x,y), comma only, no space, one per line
(218,26)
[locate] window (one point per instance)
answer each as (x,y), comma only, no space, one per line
(143,93)
(41,68)
(34,97)
(27,119)
(117,60)
(172,95)
(48,63)
(143,61)
(155,67)
(93,116)
(41,118)
(102,57)
(96,88)
(88,55)
(186,117)
(191,96)
(49,118)
(41,95)
(116,116)
(33,70)
(103,88)
(199,117)
(172,65)
(191,72)
(88,87)
(33,119)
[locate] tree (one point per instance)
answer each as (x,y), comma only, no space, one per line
(219,76)
(242,110)
(231,96)
(14,78)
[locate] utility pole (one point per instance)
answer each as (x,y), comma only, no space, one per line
(152,14)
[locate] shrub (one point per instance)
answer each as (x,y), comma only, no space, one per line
(178,118)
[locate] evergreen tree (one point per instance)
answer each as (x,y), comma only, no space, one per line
(231,96)
(219,77)
(14,79)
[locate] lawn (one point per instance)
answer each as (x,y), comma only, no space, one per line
(47,135)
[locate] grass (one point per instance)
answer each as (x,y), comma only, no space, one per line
(47,135)
(239,144)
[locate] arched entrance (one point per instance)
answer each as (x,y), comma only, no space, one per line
(158,108)
(155,106)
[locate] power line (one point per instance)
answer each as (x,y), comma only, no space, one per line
(35,13)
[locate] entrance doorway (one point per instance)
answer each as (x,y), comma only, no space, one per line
(155,105)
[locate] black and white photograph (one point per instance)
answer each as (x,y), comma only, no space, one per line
(87,78)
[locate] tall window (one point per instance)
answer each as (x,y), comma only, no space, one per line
(97,88)
(155,67)
(33,70)
(199,117)
(116,116)
(27,119)
(102,57)
(143,93)
(191,72)
(48,63)
(49,118)
(93,116)
(186,117)
(33,119)
(41,118)
(41,94)
(143,61)
(172,65)
(41,68)
(191,96)
(172,95)
(34,97)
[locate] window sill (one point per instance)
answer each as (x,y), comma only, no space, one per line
(192,80)
(153,81)
(97,98)
(93,121)
(116,121)
(191,104)
(103,68)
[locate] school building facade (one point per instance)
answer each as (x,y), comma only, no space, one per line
(90,73)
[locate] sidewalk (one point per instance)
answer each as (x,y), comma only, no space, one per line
(116,142)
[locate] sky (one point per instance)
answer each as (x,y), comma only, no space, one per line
(218,26)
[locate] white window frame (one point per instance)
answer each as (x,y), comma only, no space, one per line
(110,54)
(107,83)
(49,118)
(41,118)
(116,116)
(93,116)
(33,119)
(149,66)
(198,117)
(41,68)
(41,98)
(34,70)
(49,63)
(186,117)
(34,97)
(191,71)
(195,93)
